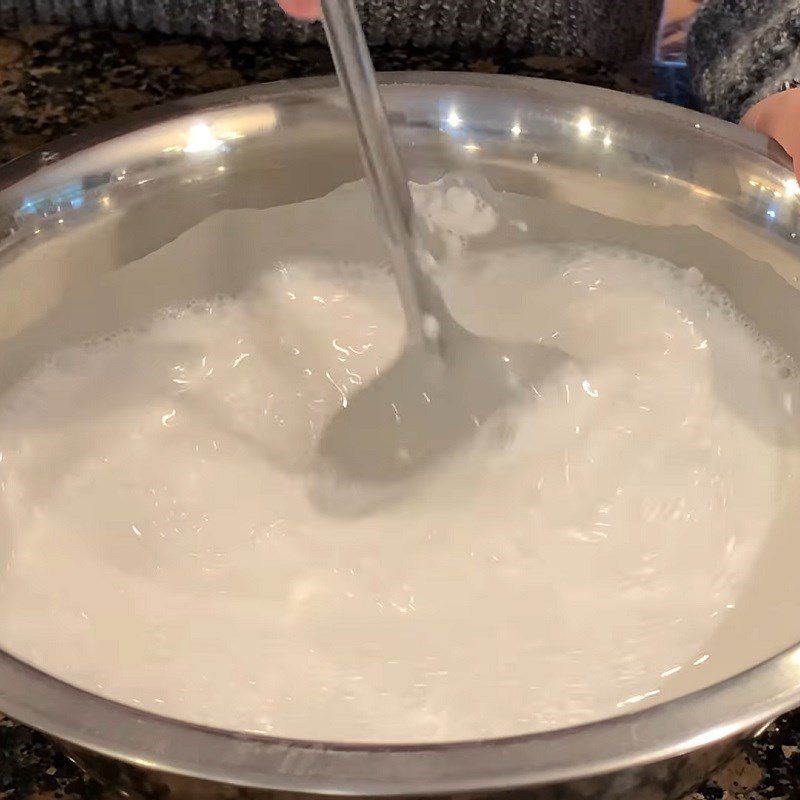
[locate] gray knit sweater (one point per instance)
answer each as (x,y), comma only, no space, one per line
(739,50)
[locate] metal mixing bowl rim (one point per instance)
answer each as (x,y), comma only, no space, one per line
(738,705)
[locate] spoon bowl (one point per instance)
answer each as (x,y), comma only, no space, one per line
(421,410)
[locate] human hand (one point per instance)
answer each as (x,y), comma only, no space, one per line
(778,116)
(302,9)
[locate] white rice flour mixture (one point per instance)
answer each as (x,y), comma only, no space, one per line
(159,546)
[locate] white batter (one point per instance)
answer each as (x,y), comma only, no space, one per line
(159,546)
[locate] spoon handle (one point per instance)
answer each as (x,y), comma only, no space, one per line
(383,168)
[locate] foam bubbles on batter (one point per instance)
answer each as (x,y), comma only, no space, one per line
(565,566)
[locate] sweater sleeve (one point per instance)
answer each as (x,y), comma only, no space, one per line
(741,51)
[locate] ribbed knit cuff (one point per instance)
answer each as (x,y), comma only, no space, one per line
(614,30)
(741,51)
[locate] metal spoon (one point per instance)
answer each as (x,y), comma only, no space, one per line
(447,381)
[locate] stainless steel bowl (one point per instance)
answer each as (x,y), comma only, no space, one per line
(612,168)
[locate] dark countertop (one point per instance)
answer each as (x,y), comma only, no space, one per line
(54,80)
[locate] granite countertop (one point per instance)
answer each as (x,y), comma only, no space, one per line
(55,80)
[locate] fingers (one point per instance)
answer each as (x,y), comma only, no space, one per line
(778,116)
(302,9)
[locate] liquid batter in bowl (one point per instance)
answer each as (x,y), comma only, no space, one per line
(565,566)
